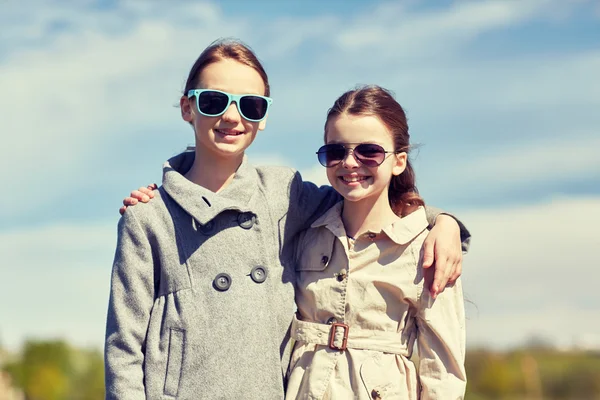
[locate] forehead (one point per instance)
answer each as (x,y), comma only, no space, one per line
(358,129)
(231,76)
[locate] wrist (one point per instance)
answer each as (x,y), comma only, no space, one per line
(446,220)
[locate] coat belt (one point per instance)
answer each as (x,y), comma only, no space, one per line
(340,336)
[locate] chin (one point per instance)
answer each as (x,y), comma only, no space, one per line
(231,149)
(352,197)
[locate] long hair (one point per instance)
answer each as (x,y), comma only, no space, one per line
(376,101)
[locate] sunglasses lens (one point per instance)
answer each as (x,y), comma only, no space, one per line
(370,155)
(212,103)
(253,107)
(331,154)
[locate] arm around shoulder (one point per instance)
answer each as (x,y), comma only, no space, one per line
(309,201)
(131,300)
(434,214)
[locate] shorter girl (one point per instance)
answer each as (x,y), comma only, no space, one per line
(360,293)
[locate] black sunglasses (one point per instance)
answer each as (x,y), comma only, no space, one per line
(213,103)
(368,154)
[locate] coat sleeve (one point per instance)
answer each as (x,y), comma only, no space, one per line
(441,344)
(465,235)
(131,299)
(307,203)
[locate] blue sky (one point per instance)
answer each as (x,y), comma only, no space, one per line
(502,97)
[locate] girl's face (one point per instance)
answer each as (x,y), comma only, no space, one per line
(227,135)
(353,180)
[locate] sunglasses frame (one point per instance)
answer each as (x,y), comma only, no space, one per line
(230,98)
(347,150)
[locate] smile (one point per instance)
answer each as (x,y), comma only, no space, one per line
(350,179)
(228,132)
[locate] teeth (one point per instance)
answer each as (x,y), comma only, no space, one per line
(228,133)
(353,178)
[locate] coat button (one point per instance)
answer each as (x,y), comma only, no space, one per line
(331,320)
(246,220)
(222,282)
(342,275)
(375,395)
(258,274)
(207,228)
(324,260)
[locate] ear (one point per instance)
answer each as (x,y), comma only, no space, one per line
(185,104)
(400,163)
(263,124)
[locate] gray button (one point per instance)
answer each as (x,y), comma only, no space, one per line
(246,220)
(258,274)
(324,260)
(222,282)
(208,228)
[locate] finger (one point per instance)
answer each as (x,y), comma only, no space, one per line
(457,271)
(427,253)
(129,201)
(153,186)
(148,191)
(441,276)
(428,278)
(122,210)
(140,196)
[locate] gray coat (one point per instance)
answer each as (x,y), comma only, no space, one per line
(176,328)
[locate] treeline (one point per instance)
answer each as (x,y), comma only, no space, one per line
(53,370)
(533,374)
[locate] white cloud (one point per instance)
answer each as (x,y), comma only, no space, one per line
(71,98)
(558,326)
(531,272)
(532,163)
(76,96)
(392,25)
(56,282)
(316,175)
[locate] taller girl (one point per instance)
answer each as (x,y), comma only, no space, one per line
(202,292)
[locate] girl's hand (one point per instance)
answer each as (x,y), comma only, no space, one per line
(442,250)
(143,194)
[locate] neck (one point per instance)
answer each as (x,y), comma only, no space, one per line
(213,173)
(367,215)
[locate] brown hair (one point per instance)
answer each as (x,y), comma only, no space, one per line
(221,49)
(376,101)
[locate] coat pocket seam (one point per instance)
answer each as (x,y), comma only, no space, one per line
(174,361)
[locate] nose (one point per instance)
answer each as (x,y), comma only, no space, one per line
(349,160)
(231,114)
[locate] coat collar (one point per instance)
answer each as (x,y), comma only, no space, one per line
(201,203)
(401,231)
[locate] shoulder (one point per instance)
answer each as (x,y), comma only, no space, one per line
(269,174)
(276,181)
(146,216)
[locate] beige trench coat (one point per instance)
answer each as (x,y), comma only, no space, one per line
(371,289)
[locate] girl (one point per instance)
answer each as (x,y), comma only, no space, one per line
(361,298)
(202,284)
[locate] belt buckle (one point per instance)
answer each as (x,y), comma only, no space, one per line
(332,336)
